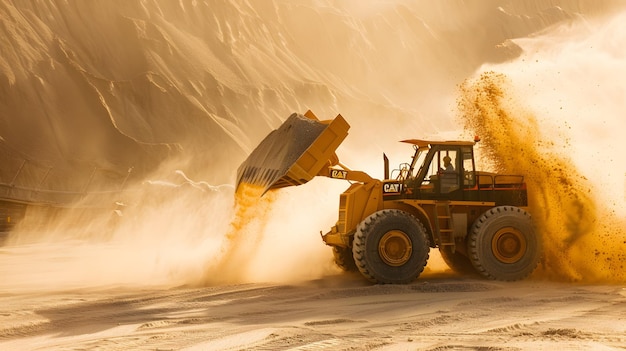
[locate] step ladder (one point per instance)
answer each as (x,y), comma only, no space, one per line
(444,227)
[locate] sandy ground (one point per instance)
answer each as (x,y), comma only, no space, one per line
(440,311)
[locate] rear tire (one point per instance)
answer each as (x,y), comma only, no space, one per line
(390,247)
(503,245)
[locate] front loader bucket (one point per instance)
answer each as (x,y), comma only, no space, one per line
(301,148)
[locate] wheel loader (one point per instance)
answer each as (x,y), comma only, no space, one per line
(386,228)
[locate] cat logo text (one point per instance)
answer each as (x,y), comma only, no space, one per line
(338,174)
(392,188)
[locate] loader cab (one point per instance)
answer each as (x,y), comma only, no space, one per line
(439,170)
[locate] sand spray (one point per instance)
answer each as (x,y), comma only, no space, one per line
(584,239)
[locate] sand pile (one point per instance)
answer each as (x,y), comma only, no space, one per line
(119,85)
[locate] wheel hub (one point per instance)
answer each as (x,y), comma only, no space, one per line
(395,248)
(508,245)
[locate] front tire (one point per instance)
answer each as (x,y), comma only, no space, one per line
(503,244)
(390,247)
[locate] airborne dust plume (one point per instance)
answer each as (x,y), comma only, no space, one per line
(583,239)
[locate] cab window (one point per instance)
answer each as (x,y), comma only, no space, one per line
(443,171)
(468,168)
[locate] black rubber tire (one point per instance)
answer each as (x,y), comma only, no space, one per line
(503,245)
(344,259)
(457,262)
(370,234)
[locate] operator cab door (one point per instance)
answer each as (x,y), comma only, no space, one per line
(448,169)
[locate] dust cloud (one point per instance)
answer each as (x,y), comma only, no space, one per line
(555,114)
(176,232)
(584,238)
(159,236)
(272,237)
